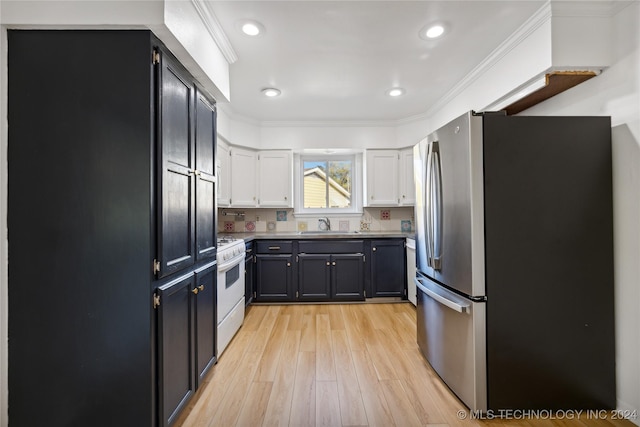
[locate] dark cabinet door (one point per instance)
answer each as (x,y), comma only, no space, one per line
(347,277)
(274,277)
(205,142)
(388,268)
(205,321)
(249,275)
(176,202)
(176,346)
(314,277)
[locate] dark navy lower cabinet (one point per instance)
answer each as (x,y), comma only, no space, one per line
(176,347)
(314,277)
(274,277)
(186,309)
(388,268)
(347,277)
(249,273)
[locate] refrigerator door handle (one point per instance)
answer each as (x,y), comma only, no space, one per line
(437,208)
(441,297)
(428,205)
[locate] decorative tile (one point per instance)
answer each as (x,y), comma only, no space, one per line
(250,226)
(364,226)
(271,226)
(405,225)
(302,225)
(229,226)
(281,215)
(385,215)
(343,226)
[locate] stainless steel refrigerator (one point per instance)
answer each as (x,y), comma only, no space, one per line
(514,252)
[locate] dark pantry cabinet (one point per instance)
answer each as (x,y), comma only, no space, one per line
(119,298)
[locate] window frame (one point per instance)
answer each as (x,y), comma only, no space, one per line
(356,185)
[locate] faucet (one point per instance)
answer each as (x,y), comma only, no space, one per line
(327,224)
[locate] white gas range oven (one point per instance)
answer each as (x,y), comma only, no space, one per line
(230,256)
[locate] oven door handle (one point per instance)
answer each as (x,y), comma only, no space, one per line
(230,263)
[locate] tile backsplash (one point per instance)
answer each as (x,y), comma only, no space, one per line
(240,220)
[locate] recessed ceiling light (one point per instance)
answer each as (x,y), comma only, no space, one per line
(432,31)
(396,91)
(251,28)
(270,92)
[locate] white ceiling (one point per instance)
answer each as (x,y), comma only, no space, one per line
(334,60)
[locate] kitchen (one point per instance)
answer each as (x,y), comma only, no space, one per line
(614,93)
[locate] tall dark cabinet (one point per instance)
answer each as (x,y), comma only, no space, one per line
(110,156)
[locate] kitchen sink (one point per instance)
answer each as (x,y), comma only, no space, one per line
(329,232)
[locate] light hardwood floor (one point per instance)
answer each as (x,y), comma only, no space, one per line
(335,365)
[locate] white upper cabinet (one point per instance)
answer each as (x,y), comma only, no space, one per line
(407,186)
(275,176)
(251,179)
(382,178)
(390,178)
(223,174)
(243,178)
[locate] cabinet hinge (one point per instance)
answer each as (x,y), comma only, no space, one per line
(364,293)
(156,266)
(364,258)
(155,57)
(296,258)
(255,294)
(255,259)
(296,294)
(156,300)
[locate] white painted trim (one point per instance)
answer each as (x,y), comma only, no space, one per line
(215,29)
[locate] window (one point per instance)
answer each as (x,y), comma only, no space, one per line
(328,184)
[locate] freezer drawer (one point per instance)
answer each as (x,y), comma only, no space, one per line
(452,337)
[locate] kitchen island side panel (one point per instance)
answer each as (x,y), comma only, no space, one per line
(80,129)
(549,262)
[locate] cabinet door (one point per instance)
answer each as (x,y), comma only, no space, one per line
(388,268)
(223,176)
(249,273)
(275,178)
(274,278)
(347,277)
(175,347)
(205,143)
(176,205)
(243,178)
(205,321)
(407,186)
(314,277)
(382,178)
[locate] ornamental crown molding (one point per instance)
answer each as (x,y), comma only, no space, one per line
(214,28)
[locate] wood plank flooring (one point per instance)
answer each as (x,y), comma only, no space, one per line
(336,365)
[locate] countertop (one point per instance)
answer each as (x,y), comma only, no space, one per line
(297,235)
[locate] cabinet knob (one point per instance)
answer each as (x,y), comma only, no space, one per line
(373,249)
(288,264)
(195,291)
(201,288)
(334,263)
(328,263)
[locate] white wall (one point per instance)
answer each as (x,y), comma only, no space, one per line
(616,93)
